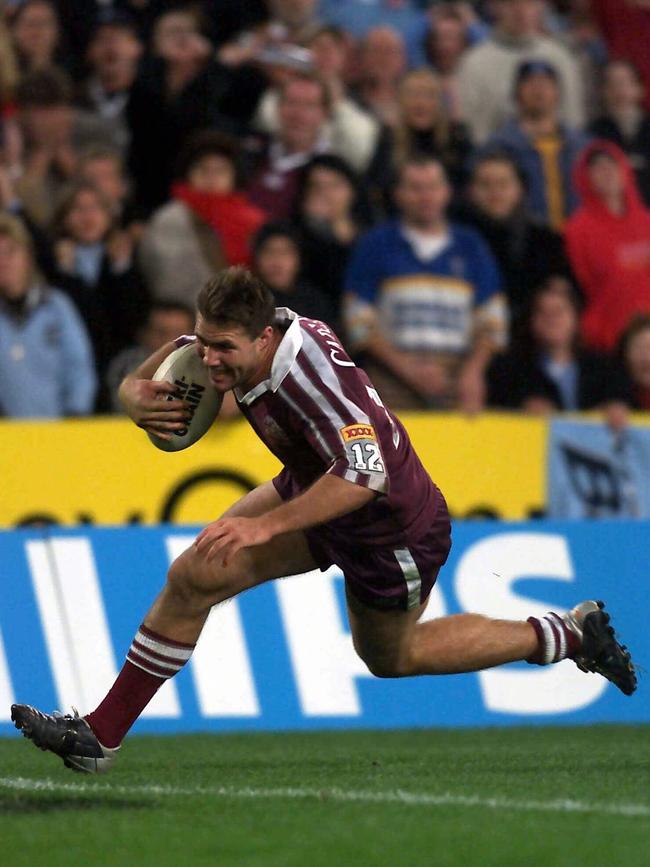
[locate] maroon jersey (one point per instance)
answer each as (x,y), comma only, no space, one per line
(319,413)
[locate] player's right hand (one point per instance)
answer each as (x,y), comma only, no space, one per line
(148,403)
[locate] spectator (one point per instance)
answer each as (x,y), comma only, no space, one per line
(95,268)
(8,72)
(625,25)
(104,168)
(424,301)
(580,34)
(294,20)
(182,90)
(382,62)
(113,55)
(608,241)
(303,110)
(277,262)
(527,252)
(46,363)
(10,142)
(358,17)
(352,132)
(547,369)
(208,224)
(423,126)
(487,71)
(37,35)
(331,212)
(447,40)
(53,132)
(545,149)
(41,248)
(625,122)
(634,352)
(165,322)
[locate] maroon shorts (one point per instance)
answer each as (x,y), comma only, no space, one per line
(384,577)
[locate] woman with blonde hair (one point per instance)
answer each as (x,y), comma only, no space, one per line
(424,125)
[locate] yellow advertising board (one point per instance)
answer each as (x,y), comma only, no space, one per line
(106,471)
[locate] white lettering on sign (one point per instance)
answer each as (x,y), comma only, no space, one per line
(6,692)
(76,630)
(220,665)
(323,659)
(537,690)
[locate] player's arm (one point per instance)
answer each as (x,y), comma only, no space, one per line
(328,498)
(143,399)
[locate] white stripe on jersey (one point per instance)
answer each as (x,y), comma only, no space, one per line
(294,406)
(318,357)
(304,382)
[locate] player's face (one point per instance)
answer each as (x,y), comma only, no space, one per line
(229,353)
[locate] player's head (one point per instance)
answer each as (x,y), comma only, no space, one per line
(234,327)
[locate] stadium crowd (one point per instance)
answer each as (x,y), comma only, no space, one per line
(460,189)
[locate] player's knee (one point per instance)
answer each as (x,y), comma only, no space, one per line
(188,582)
(386,666)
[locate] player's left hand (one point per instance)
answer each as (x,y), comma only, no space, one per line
(225,537)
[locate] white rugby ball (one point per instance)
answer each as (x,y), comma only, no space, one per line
(184,369)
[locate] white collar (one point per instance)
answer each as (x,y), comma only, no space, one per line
(284,357)
(282,162)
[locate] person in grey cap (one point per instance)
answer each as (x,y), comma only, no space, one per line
(487,71)
(542,145)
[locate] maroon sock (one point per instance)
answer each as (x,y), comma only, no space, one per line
(555,640)
(152,659)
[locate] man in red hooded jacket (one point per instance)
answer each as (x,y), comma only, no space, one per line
(608,242)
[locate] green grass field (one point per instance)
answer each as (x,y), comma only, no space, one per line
(524,797)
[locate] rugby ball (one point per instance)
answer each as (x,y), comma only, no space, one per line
(184,369)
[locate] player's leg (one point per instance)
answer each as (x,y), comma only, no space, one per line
(165,641)
(394,644)
(195,585)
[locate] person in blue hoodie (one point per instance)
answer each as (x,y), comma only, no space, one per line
(46,362)
(544,148)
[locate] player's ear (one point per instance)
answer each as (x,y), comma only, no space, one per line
(265,336)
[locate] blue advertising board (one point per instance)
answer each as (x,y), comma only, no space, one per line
(281,657)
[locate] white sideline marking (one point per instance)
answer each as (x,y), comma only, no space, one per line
(396,796)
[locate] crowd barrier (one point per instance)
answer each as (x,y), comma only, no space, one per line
(281,657)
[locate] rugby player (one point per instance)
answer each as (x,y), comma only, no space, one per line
(352,492)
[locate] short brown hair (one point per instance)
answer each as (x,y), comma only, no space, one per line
(235,295)
(311,78)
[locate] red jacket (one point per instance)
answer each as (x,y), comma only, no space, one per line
(610,254)
(233,218)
